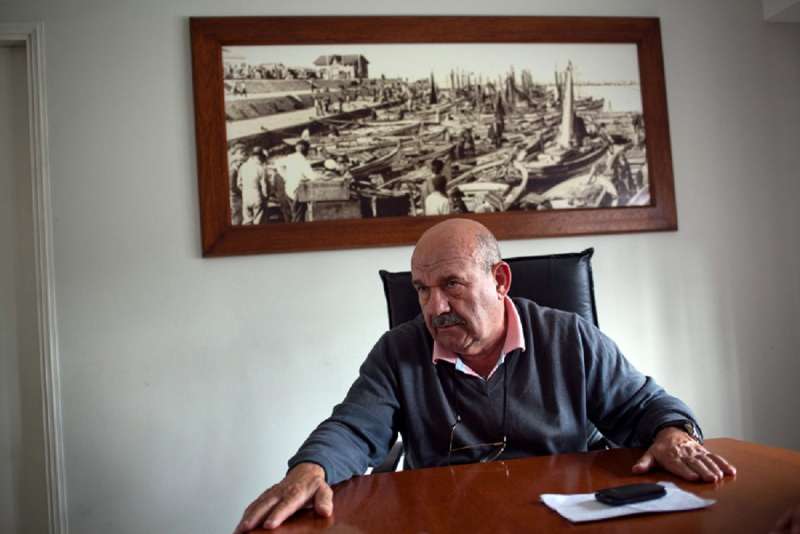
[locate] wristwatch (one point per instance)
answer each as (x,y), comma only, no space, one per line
(684,424)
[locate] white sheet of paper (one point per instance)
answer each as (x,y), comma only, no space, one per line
(584,507)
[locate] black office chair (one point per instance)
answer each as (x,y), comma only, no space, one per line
(562,281)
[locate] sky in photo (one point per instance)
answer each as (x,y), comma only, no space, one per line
(591,62)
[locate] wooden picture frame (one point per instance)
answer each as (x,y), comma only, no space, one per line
(220,237)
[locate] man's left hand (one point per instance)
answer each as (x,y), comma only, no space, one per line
(679,453)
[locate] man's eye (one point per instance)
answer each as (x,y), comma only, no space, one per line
(451,284)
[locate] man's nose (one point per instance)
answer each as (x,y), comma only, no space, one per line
(438,303)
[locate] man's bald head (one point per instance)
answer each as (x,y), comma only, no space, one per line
(461,238)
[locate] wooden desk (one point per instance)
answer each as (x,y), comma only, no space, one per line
(503,497)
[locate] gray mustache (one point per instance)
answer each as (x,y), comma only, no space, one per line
(447,319)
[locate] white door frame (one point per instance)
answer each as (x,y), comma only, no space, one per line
(31,36)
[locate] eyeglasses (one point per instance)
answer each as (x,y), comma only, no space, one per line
(494,449)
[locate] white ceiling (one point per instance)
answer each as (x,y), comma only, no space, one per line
(782,10)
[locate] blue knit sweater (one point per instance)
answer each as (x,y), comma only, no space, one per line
(570,378)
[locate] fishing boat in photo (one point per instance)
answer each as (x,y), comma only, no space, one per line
(589,104)
(376,163)
(568,154)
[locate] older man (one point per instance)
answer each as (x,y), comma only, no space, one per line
(480,377)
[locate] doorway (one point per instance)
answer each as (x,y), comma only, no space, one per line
(23,482)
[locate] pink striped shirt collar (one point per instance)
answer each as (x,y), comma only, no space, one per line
(514,340)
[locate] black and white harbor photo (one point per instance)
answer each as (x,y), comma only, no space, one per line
(327,132)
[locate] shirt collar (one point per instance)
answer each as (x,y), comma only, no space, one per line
(514,340)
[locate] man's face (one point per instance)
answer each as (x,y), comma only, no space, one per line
(460,301)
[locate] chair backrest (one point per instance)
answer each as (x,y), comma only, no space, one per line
(562,281)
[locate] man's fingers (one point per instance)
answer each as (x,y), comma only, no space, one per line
(257,511)
(699,466)
(644,464)
(678,466)
(293,499)
(282,500)
(323,500)
(696,465)
(714,466)
(723,464)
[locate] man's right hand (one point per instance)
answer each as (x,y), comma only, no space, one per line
(303,486)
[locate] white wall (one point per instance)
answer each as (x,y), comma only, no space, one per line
(782,10)
(188,382)
(22,479)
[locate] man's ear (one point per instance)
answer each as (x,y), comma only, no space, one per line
(502,277)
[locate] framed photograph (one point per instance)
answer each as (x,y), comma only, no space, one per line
(340,132)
